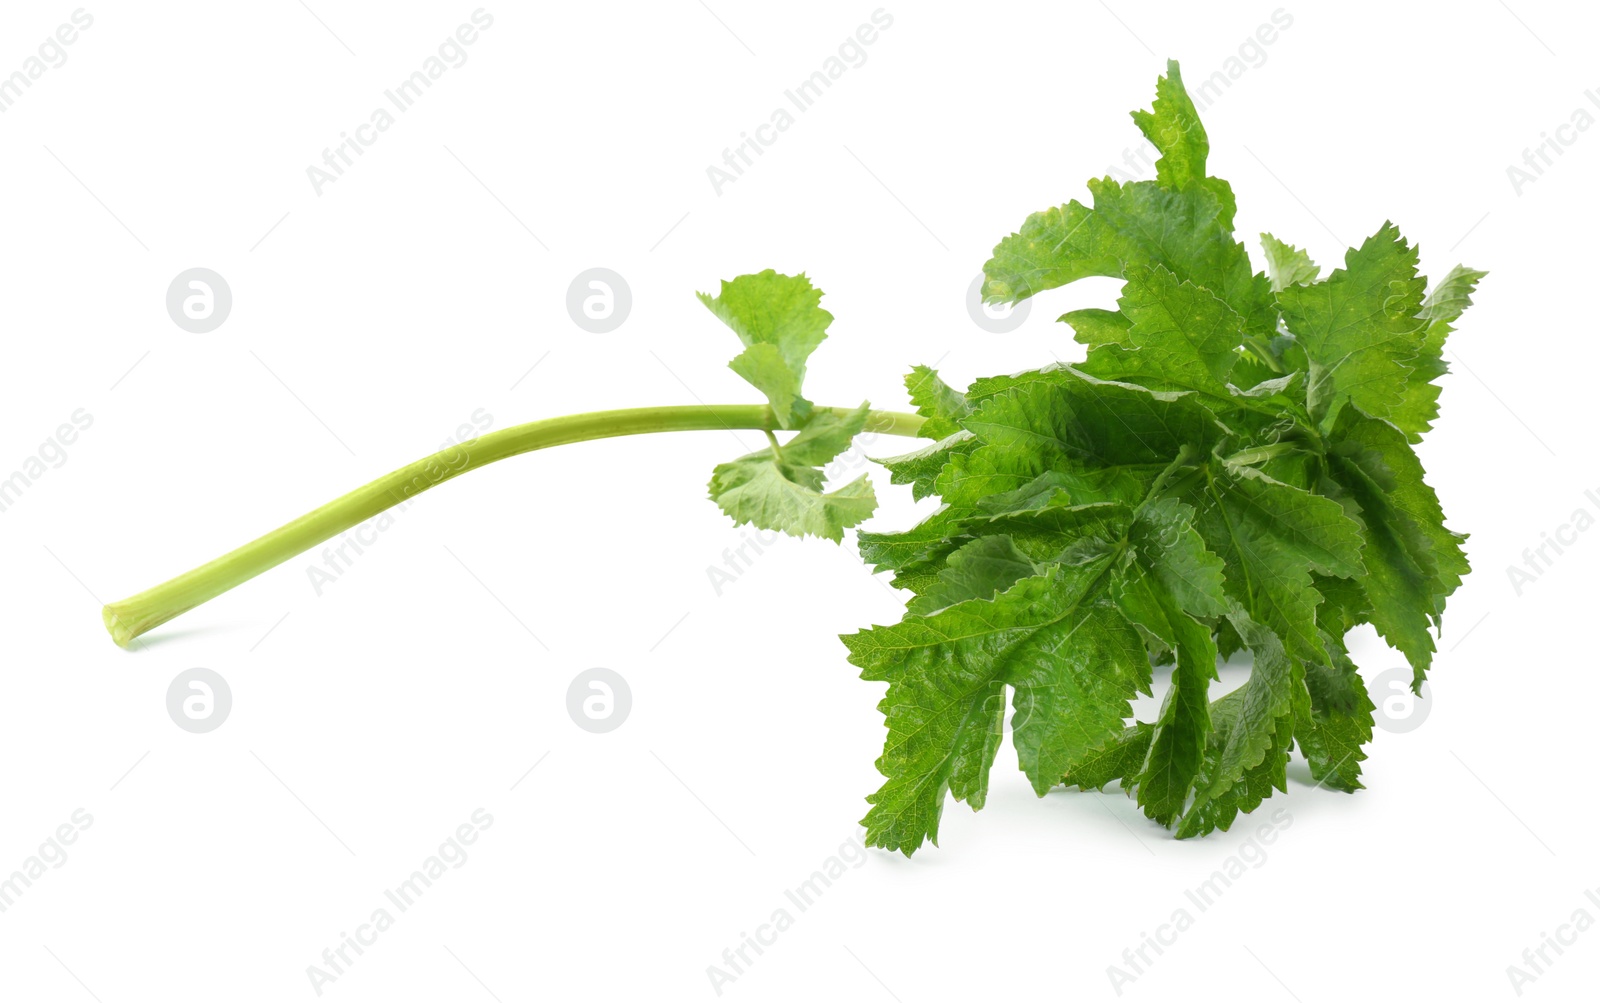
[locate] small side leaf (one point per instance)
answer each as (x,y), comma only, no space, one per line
(781,322)
(781,488)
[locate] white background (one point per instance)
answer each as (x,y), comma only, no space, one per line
(372,320)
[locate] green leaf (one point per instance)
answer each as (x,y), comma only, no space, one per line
(1181,338)
(1188,232)
(1412,561)
(1450,299)
(764,367)
(1051,489)
(934,400)
(781,322)
(1173,126)
(1177,749)
(1120,757)
(918,555)
(1117,435)
(921,468)
(1093,326)
(1271,536)
(1400,571)
(1410,493)
(825,436)
(781,488)
(1171,557)
(977,570)
(1075,664)
(1360,329)
(1247,755)
(1182,220)
(1287,265)
(1345,604)
(1072,693)
(1064,533)
(1440,310)
(1334,726)
(929,540)
(769,495)
(1052,248)
(1171,578)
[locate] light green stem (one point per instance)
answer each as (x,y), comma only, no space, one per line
(133,616)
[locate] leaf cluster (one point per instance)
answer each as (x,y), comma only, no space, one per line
(1230,468)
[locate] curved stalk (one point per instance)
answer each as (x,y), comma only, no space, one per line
(133,616)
